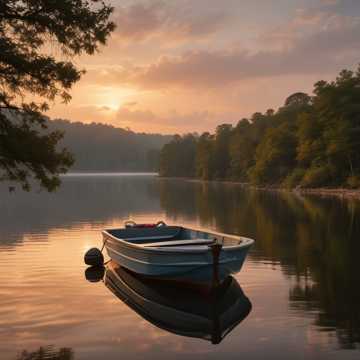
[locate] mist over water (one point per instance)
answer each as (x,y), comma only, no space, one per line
(301,276)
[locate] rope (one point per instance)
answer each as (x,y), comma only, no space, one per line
(103,245)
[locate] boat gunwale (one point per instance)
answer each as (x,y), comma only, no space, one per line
(245,242)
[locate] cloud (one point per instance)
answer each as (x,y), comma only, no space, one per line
(310,25)
(130,104)
(84,113)
(139,20)
(253,61)
(334,41)
(347,6)
(330,2)
(171,122)
(167,20)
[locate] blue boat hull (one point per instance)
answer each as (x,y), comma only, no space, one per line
(192,268)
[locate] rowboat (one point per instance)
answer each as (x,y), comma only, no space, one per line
(176,253)
(180,311)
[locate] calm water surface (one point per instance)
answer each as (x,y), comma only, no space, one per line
(302,276)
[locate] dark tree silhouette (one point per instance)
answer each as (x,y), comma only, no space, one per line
(31,76)
(298,99)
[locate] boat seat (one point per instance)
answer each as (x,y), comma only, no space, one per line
(180,242)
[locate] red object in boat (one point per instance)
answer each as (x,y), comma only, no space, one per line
(145,225)
(133,224)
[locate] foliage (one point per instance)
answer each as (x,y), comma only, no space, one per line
(294,178)
(221,153)
(274,156)
(204,157)
(353,182)
(177,158)
(310,141)
(99,147)
(317,176)
(241,150)
(31,31)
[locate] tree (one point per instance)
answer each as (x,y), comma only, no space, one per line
(241,150)
(329,134)
(298,99)
(222,151)
(177,158)
(30,77)
(337,106)
(204,157)
(275,156)
(311,141)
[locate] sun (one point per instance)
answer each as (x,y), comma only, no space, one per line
(110,106)
(112,98)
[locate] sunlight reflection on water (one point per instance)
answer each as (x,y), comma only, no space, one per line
(45,299)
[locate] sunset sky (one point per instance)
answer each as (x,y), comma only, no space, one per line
(188,65)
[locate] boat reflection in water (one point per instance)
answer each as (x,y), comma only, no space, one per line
(180,310)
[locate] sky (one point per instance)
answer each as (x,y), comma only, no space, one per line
(180,66)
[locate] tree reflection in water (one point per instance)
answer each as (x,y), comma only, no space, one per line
(47,353)
(315,240)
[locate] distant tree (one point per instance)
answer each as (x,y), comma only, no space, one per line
(177,158)
(187,155)
(205,157)
(242,152)
(338,115)
(309,133)
(169,158)
(152,159)
(30,77)
(270,112)
(222,150)
(275,156)
(310,141)
(298,99)
(117,149)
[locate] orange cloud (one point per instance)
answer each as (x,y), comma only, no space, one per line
(179,66)
(171,122)
(167,20)
(329,41)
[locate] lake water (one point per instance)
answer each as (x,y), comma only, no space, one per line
(302,277)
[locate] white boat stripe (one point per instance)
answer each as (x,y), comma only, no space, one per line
(159,264)
(145,238)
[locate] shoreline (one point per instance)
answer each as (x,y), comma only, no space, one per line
(338,192)
(105,173)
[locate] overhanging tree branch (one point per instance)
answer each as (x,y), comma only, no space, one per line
(27,150)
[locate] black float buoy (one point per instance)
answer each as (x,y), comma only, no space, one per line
(94,257)
(94,273)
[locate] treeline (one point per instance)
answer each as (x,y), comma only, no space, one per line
(99,147)
(311,141)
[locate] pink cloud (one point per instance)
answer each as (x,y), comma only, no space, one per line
(170,122)
(169,21)
(322,51)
